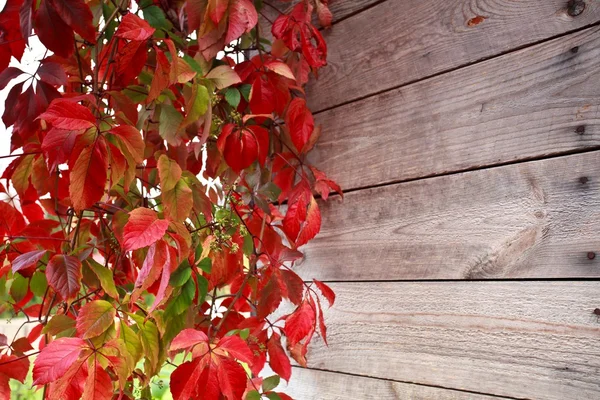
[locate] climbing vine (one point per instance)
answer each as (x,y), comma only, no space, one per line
(157,195)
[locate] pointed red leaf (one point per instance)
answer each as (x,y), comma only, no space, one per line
(98,385)
(133,27)
(278,359)
(64,275)
(299,324)
(188,338)
(143,229)
(65,114)
(76,14)
(27,260)
(242,18)
(89,175)
(232,379)
(300,122)
(55,359)
(236,348)
(327,292)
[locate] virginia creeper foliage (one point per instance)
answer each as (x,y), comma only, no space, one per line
(157,196)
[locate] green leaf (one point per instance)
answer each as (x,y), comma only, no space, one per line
(205,265)
(244,333)
(182,302)
(38,283)
(202,289)
(194,64)
(197,105)
(253,395)
(233,97)
(18,287)
(245,91)
(273,396)
(156,17)
(168,126)
(181,274)
(132,344)
(105,276)
(57,324)
(270,190)
(270,383)
(148,334)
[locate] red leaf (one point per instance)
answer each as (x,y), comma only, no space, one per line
(78,16)
(187,339)
(156,258)
(64,275)
(8,75)
(242,18)
(143,229)
(27,260)
(323,13)
(25,13)
(65,114)
(300,122)
(133,27)
(88,176)
(131,138)
(98,385)
(52,73)
(216,10)
(327,292)
(160,80)
(58,145)
(299,324)
(270,298)
(232,379)
(52,31)
(13,221)
(241,147)
(278,359)
(236,348)
(184,381)
(55,359)
(13,367)
(95,318)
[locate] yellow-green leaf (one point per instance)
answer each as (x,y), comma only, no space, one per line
(105,276)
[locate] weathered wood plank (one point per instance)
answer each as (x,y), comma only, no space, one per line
(309,384)
(399,41)
(531,103)
(535,340)
(538,219)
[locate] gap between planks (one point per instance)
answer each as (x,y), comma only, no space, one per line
(449,70)
(524,160)
(410,383)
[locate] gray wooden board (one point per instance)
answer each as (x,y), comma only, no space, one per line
(307,384)
(537,219)
(399,41)
(536,340)
(539,101)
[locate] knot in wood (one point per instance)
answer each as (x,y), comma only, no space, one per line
(575,7)
(591,255)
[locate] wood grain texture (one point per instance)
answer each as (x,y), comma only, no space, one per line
(536,340)
(539,101)
(399,41)
(537,219)
(309,384)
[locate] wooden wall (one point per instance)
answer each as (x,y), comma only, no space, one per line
(466,252)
